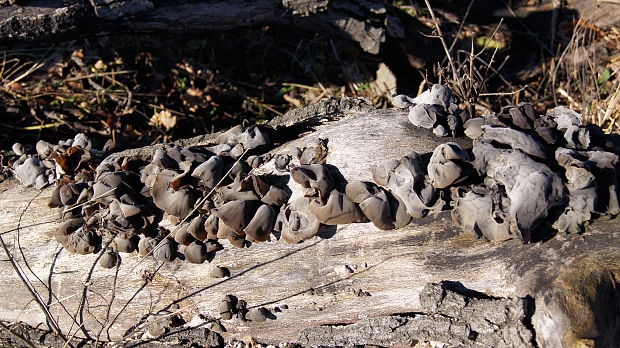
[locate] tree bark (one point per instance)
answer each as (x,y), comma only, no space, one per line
(365,22)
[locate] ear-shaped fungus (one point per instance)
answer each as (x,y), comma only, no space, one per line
(81,140)
(522,116)
(196,252)
(211,226)
(314,154)
(67,228)
(240,190)
(109,259)
(547,134)
(254,137)
(19,149)
(182,236)
(515,139)
(257,161)
(476,213)
(112,185)
(250,138)
(219,272)
(76,238)
(210,172)
(382,208)
(296,223)
(281,162)
(236,214)
(230,136)
(31,172)
(532,187)
(315,179)
(270,190)
(227,307)
(592,183)
(407,180)
(225,232)
(196,228)
(70,160)
(564,117)
(146,245)
(262,223)
(473,127)
(437,109)
(457,121)
(401,101)
(438,95)
(447,165)
(166,251)
(126,245)
(179,202)
(338,210)
(259,314)
(163,161)
(81,241)
(577,137)
(426,115)
(276,196)
(44,149)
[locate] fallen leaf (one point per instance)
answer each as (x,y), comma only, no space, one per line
(165,119)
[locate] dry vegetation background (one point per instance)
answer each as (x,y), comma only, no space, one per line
(141,89)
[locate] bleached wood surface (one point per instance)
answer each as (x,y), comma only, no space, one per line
(570,277)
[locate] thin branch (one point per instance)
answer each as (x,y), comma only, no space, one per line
(100,74)
(445,47)
(34,293)
(461,25)
(503,93)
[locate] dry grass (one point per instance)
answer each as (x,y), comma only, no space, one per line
(467,71)
(585,77)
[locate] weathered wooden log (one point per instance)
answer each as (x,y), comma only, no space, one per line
(351,285)
(365,22)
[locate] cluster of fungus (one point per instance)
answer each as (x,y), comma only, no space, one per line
(525,170)
(232,307)
(436,109)
(118,205)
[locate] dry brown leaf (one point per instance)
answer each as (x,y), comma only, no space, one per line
(164,119)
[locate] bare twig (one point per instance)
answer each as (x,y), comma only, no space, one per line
(100,74)
(445,47)
(502,93)
(33,292)
(461,25)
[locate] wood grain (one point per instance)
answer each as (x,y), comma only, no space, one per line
(568,276)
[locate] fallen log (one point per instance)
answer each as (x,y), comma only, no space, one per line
(351,285)
(368,23)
